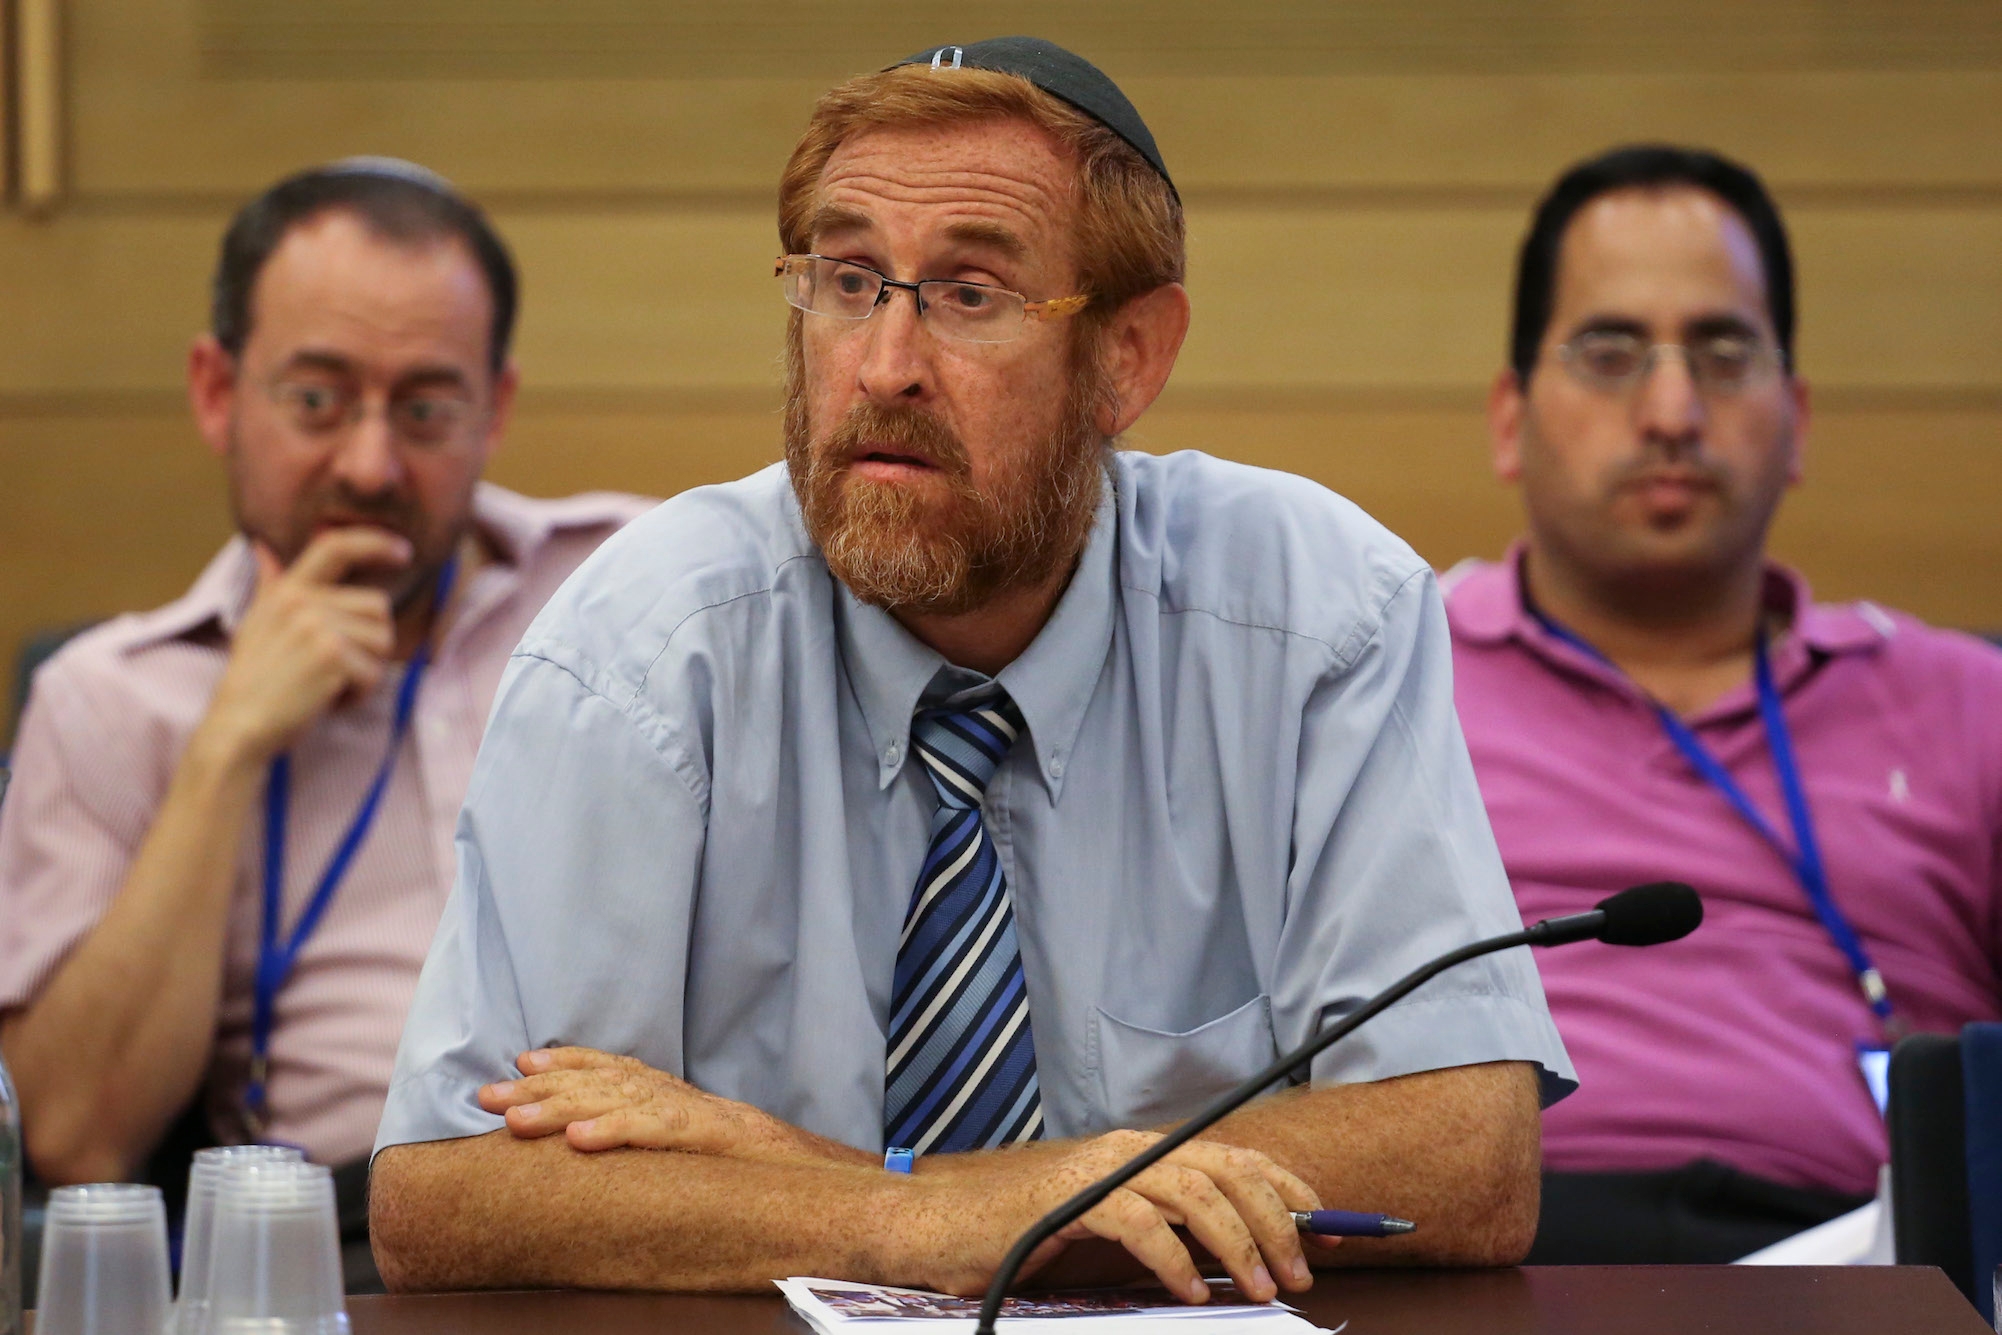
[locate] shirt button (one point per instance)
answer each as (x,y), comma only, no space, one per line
(1056,765)
(891,752)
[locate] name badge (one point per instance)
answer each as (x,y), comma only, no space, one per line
(1875,1063)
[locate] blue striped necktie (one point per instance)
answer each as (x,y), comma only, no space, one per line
(962,1060)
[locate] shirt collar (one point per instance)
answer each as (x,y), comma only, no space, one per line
(1050,682)
(514,528)
(217,599)
(1488,607)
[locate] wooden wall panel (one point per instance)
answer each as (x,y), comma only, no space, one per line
(1894,297)
(8,95)
(1877,515)
(151,120)
(103,512)
(692,39)
(39,93)
(101,304)
(1325,137)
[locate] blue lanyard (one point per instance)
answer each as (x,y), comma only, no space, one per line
(274,962)
(1805,855)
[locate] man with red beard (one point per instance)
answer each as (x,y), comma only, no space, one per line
(229,834)
(864,855)
(1645,693)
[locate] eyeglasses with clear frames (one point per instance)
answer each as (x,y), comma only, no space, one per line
(430,419)
(969,312)
(1615,362)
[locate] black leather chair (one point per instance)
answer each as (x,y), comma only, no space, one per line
(1930,1223)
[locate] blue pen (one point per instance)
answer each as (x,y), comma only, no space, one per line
(1351,1224)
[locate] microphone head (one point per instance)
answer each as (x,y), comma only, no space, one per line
(1647,915)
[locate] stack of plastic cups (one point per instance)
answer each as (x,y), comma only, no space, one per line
(191,1309)
(104,1262)
(274,1252)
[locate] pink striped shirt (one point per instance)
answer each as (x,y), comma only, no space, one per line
(1738,1043)
(105,726)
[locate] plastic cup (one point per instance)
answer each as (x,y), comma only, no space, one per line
(275,1252)
(104,1261)
(191,1308)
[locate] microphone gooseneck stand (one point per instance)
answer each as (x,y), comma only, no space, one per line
(1641,915)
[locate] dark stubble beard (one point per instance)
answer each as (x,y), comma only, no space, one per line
(905,549)
(406,586)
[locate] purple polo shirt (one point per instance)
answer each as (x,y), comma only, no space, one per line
(1738,1042)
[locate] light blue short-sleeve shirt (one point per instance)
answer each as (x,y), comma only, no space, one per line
(1242,805)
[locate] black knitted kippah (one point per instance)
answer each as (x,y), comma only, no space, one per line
(1057,72)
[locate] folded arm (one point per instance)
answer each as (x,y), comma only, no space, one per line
(654,1184)
(495,1211)
(502,1211)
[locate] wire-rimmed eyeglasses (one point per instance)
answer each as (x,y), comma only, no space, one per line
(430,418)
(1615,361)
(970,312)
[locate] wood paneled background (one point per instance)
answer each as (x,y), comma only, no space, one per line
(1357,174)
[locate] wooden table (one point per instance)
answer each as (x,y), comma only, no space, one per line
(1582,1300)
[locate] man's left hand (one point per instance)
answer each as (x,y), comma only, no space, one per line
(602,1101)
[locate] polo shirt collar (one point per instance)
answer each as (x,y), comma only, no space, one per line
(218,598)
(1489,608)
(1051,681)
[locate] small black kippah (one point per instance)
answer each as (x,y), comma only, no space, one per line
(1059,73)
(398,169)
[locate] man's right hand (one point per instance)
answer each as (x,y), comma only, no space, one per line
(307,640)
(1235,1202)
(603,1101)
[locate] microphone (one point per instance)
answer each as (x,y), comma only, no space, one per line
(1642,915)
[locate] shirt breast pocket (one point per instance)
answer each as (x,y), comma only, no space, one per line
(1146,1077)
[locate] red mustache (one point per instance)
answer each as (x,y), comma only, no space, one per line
(872,429)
